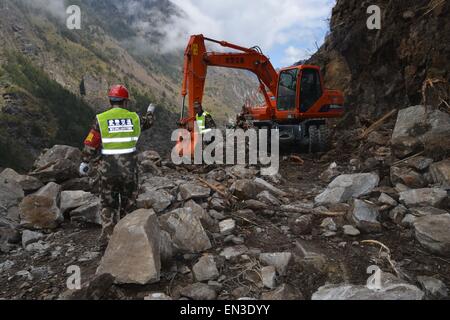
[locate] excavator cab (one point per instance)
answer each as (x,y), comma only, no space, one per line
(302,107)
(301,95)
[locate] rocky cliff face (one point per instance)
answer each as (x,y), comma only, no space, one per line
(384,69)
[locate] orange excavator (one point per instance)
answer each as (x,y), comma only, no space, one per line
(296,102)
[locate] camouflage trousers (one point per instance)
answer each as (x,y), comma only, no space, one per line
(118,191)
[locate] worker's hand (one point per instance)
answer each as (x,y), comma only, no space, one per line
(84,169)
(151,108)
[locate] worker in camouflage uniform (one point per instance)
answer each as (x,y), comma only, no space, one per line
(241,119)
(113,138)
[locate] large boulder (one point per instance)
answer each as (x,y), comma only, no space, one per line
(419,128)
(88,213)
(81,206)
(347,187)
(441,173)
(27,183)
(11,193)
(366,216)
(391,288)
(432,232)
(57,164)
(411,123)
(40,210)
(436,140)
(133,253)
(186,231)
(428,197)
(74,199)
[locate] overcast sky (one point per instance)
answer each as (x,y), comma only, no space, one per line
(286,30)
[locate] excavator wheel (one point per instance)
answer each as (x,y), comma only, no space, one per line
(313,139)
(324,138)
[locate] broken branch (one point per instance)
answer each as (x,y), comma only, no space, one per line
(377,124)
(388,254)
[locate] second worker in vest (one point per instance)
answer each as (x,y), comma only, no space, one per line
(114,137)
(205,121)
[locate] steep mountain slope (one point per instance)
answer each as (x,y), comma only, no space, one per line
(111,47)
(384,69)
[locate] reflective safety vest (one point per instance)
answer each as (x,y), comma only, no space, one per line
(201,123)
(120,130)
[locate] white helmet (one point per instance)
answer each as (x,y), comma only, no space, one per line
(151,108)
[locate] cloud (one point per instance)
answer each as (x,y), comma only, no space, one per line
(284,29)
(56,8)
(270,24)
(293,55)
(267,23)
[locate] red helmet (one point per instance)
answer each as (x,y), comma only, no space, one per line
(118,92)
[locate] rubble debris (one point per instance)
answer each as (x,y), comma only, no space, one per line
(351,231)
(57,164)
(432,233)
(269,276)
(392,288)
(440,173)
(284,292)
(434,288)
(205,269)
(279,260)
(346,187)
(427,197)
(366,216)
(27,183)
(199,291)
(194,191)
(186,231)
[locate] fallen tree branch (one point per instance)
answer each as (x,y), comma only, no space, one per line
(297,159)
(216,189)
(330,214)
(246,220)
(377,124)
(48,165)
(388,254)
(409,158)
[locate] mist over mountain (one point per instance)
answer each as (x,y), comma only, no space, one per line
(139,43)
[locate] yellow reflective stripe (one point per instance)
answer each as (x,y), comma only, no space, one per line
(119,140)
(108,152)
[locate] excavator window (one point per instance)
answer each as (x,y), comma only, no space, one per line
(310,89)
(287,90)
